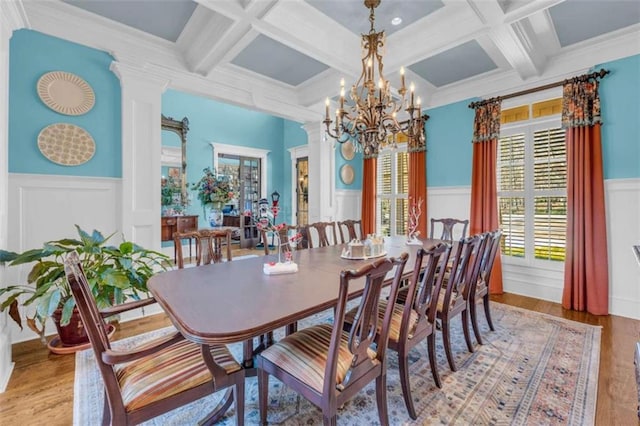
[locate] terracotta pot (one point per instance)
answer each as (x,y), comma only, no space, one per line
(72,334)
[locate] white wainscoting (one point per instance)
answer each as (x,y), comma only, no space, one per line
(623,229)
(45,207)
(347,203)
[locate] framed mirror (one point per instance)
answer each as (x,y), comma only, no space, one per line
(172,156)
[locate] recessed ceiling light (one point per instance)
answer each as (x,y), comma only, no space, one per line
(396,21)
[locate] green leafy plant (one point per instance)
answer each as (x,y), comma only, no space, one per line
(114,274)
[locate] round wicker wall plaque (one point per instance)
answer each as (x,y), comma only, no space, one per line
(347,150)
(65,93)
(66,144)
(347,174)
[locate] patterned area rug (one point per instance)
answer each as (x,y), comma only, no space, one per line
(534,369)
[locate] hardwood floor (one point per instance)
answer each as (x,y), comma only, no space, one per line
(41,387)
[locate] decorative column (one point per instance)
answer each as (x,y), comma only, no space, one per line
(141,148)
(321,174)
(11,18)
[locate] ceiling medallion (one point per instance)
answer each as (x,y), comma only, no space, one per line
(372,121)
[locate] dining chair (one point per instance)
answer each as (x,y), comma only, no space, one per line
(454,294)
(209,246)
(480,292)
(213,243)
(158,376)
(350,230)
(449,225)
(321,234)
(268,239)
(413,321)
(327,365)
(178,237)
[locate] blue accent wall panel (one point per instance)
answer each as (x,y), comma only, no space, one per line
(449,149)
(619,100)
(33,54)
(357,163)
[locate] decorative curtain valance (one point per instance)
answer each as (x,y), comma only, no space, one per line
(580,104)
(486,125)
(419,143)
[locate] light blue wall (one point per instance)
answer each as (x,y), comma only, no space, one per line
(33,54)
(213,121)
(620,102)
(449,152)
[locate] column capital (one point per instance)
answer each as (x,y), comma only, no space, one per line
(134,74)
(314,131)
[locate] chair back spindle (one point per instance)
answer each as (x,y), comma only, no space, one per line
(449,225)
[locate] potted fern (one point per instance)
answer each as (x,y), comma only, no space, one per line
(115,273)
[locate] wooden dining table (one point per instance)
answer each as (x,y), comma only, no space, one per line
(235,301)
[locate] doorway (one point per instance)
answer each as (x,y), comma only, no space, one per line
(302,191)
(244,174)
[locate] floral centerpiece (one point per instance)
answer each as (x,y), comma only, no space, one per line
(213,191)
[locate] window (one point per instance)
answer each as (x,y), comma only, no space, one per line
(392,192)
(532,183)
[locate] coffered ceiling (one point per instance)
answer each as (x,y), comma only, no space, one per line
(286,56)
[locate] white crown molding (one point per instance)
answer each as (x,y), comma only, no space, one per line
(13,16)
(136,76)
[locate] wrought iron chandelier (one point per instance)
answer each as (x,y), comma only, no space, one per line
(372,121)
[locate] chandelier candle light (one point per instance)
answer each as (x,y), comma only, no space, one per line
(373,122)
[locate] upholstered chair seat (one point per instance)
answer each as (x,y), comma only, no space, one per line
(174,370)
(305,355)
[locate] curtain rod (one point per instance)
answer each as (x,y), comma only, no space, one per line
(584,77)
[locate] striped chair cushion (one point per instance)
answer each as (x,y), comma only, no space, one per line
(454,299)
(304,355)
(396,319)
(171,371)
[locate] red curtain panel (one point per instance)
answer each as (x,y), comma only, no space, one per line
(484,196)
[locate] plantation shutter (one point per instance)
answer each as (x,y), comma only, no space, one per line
(550,202)
(511,201)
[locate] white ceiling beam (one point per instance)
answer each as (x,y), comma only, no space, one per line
(237,33)
(205,38)
(545,32)
(293,23)
(433,34)
(515,40)
(302,27)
